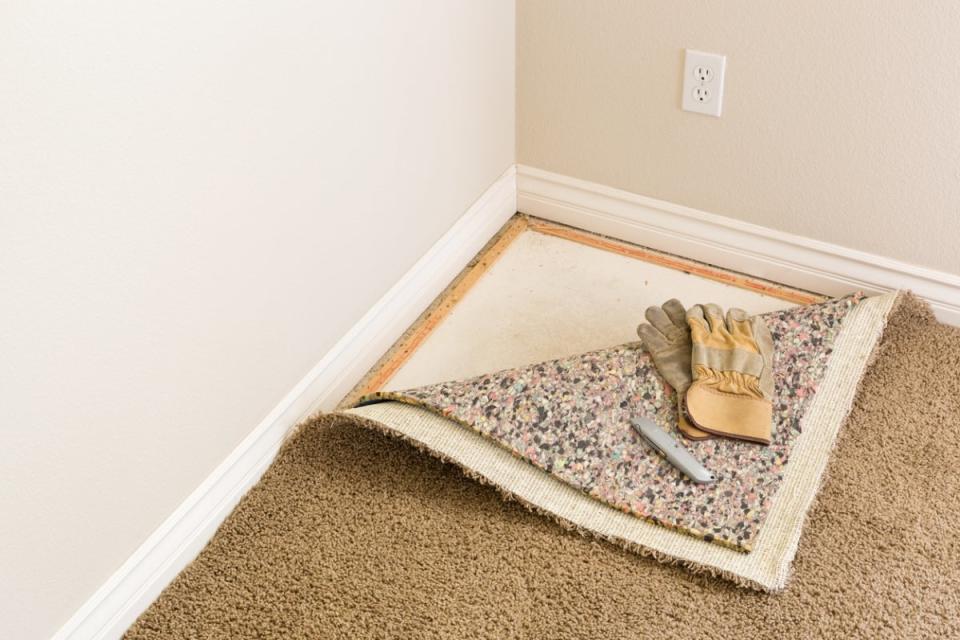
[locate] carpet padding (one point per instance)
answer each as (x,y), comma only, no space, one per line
(571,418)
(352,534)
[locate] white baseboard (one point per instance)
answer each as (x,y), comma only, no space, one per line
(758,251)
(116,605)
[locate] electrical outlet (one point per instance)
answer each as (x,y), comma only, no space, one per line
(701,95)
(703,82)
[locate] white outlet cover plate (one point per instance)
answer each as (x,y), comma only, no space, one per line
(703,75)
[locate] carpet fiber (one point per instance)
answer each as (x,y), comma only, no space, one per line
(352,534)
(766,567)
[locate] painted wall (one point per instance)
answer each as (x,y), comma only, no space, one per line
(840,120)
(197,200)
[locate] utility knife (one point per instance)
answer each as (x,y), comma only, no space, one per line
(670,449)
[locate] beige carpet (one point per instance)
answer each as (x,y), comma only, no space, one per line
(766,567)
(352,534)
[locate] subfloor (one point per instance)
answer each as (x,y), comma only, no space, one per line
(542,291)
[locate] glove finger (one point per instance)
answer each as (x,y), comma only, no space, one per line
(764,340)
(697,323)
(762,335)
(696,313)
(739,325)
(653,341)
(677,314)
(715,318)
(662,323)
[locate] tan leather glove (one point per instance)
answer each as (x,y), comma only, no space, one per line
(732,364)
(667,339)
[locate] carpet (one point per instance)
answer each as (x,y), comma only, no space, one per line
(613,485)
(356,535)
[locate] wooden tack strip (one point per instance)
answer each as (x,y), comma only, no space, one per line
(673,262)
(398,355)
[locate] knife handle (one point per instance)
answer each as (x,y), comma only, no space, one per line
(670,449)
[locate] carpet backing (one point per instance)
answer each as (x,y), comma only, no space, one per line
(352,534)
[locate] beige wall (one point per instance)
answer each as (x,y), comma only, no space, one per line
(197,200)
(841,119)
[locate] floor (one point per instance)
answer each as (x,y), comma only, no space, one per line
(543,291)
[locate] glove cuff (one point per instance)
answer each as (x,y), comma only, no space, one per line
(689,431)
(730,415)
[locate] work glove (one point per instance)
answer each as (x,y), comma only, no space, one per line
(732,365)
(667,339)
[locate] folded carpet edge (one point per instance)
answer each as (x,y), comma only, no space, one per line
(900,301)
(506,494)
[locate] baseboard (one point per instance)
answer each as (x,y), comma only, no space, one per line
(758,251)
(116,605)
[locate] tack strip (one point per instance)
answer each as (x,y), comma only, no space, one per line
(674,262)
(420,330)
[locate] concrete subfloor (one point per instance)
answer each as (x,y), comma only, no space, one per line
(548,297)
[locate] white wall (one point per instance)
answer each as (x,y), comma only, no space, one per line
(197,199)
(840,118)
